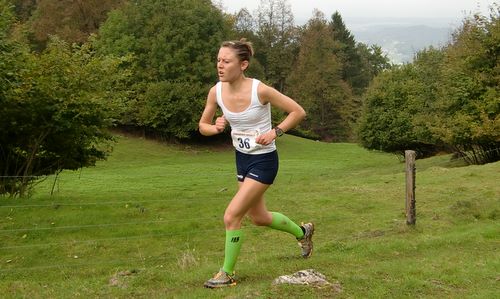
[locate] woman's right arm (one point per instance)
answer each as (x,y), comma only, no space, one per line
(205,125)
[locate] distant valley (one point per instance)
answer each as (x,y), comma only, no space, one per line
(401,39)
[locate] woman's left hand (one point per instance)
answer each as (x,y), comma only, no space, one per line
(266,138)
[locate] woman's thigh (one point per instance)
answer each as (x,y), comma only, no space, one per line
(250,197)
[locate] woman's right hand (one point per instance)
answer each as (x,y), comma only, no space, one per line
(220,123)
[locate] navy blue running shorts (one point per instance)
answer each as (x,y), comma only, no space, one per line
(261,167)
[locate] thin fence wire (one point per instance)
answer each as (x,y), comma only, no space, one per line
(127,238)
(122,261)
(21,176)
(102,225)
(141,236)
(92,242)
(147,236)
(112,239)
(137,237)
(222,190)
(87,264)
(103,203)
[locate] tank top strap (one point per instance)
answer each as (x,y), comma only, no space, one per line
(255,96)
(218,93)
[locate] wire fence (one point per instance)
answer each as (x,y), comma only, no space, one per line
(81,227)
(145,260)
(20,176)
(101,203)
(106,225)
(150,224)
(153,225)
(116,240)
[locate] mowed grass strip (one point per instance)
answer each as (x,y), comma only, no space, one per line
(148,223)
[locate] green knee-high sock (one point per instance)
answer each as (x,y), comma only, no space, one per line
(283,223)
(232,249)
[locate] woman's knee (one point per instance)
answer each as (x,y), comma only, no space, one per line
(231,220)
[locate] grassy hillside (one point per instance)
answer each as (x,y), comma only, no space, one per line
(148,223)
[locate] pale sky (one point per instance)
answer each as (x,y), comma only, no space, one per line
(453,10)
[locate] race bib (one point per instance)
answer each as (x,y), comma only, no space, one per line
(244,141)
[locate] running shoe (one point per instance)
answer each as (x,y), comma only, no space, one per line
(306,242)
(220,280)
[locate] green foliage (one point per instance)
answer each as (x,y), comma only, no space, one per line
(55,113)
(6,19)
(468,105)
(317,85)
(445,98)
(243,25)
(359,64)
(346,50)
(24,8)
(398,105)
(72,21)
(170,107)
(386,121)
(276,42)
(7,52)
(174,44)
(373,62)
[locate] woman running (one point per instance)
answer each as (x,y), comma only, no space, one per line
(246,106)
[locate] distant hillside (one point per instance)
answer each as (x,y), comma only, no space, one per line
(402,38)
(402,42)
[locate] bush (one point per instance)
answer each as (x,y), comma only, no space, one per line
(56,108)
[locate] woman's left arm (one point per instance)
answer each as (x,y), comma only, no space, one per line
(295,112)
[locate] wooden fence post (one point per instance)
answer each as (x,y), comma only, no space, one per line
(411,216)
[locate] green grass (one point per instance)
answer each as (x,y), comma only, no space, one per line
(147,223)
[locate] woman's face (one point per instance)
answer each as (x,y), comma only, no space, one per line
(229,68)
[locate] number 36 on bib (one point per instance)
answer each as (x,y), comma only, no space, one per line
(244,141)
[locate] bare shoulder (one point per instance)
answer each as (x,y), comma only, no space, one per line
(266,93)
(263,88)
(213,89)
(212,93)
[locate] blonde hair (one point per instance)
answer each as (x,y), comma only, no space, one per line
(243,48)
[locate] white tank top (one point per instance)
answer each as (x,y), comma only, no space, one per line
(248,124)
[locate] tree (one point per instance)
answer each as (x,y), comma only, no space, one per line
(360,63)
(243,26)
(10,53)
(428,64)
(376,59)
(175,44)
(397,105)
(24,9)
(316,83)
(385,123)
(447,98)
(277,41)
(373,62)
(54,108)
(467,112)
(244,23)
(71,20)
(352,70)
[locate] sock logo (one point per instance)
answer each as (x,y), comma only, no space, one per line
(235,239)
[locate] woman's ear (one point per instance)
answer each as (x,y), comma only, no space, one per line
(244,65)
